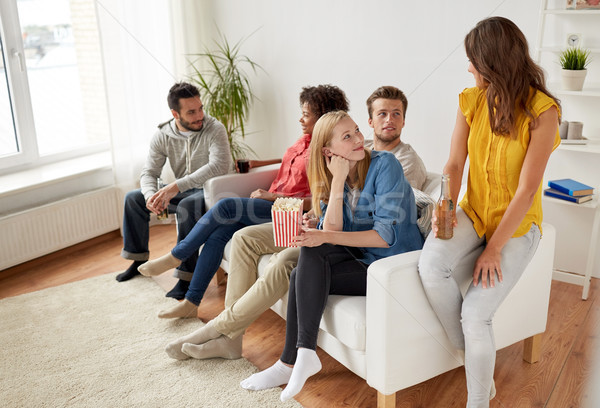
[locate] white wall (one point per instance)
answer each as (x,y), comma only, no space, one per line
(358,46)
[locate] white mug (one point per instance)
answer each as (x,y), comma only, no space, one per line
(563,129)
(575,130)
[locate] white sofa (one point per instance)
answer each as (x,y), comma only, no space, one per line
(391,337)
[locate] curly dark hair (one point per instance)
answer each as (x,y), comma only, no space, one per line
(324,98)
(387,92)
(181,90)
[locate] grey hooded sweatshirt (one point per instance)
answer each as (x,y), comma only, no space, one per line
(194,159)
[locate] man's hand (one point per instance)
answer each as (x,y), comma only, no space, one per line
(160,200)
(263,194)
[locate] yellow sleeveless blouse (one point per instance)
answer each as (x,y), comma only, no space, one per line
(495,164)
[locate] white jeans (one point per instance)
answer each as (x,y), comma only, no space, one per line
(468,321)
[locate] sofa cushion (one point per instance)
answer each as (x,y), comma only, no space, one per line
(425,207)
(345,319)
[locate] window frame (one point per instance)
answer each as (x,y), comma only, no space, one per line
(18,87)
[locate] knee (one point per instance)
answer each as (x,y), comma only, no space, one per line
(476,328)
(183,214)
(282,269)
(191,207)
(189,210)
(228,209)
(476,321)
(432,267)
(134,199)
(241,239)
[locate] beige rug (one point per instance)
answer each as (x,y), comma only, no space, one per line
(98,343)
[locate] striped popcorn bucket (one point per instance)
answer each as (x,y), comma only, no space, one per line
(286,226)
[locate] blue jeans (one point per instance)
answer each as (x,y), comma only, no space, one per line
(468,321)
(213,231)
(189,207)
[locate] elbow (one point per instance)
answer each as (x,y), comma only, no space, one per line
(451,168)
(527,195)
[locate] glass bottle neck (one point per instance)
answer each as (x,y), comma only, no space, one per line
(445,192)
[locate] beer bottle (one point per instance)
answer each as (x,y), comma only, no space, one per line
(445,210)
(164,213)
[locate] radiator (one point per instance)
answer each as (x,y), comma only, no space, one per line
(39,231)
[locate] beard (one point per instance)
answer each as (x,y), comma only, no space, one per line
(190,126)
(389,138)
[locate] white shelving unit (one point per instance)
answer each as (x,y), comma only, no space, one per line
(555,24)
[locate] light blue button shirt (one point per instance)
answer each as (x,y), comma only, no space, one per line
(386,205)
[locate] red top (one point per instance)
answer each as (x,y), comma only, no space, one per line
(291,179)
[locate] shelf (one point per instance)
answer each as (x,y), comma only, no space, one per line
(593,203)
(560,23)
(592,147)
(592,89)
(558,49)
(572,12)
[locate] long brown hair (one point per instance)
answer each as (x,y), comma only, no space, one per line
(499,52)
(319,176)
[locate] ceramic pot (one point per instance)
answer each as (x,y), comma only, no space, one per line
(572,80)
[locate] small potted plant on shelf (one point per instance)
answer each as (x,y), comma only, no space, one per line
(574,62)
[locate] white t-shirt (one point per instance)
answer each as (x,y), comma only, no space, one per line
(414,168)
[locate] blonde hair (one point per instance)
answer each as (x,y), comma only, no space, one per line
(319,176)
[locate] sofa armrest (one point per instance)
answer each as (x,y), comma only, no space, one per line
(406,343)
(238,185)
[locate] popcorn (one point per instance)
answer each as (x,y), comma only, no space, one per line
(287,219)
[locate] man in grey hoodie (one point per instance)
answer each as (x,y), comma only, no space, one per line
(197,147)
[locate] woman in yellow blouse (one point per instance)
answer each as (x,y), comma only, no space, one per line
(508,126)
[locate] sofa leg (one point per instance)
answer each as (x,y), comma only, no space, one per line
(386,401)
(532,348)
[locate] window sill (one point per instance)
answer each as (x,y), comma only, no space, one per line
(49,174)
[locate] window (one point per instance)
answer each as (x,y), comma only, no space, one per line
(8,134)
(52,98)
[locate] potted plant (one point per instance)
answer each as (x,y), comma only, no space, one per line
(574,62)
(225,89)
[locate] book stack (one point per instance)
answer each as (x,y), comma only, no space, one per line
(569,190)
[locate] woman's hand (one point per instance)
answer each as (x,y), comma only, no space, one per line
(311,237)
(264,194)
(486,268)
(434,220)
(338,166)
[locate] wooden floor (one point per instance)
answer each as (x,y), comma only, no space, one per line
(559,380)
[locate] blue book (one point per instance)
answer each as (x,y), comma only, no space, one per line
(571,187)
(557,194)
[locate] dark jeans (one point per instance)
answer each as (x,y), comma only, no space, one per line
(213,231)
(189,207)
(321,271)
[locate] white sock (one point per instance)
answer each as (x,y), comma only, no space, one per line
(202,335)
(274,376)
(159,265)
(307,364)
(223,347)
